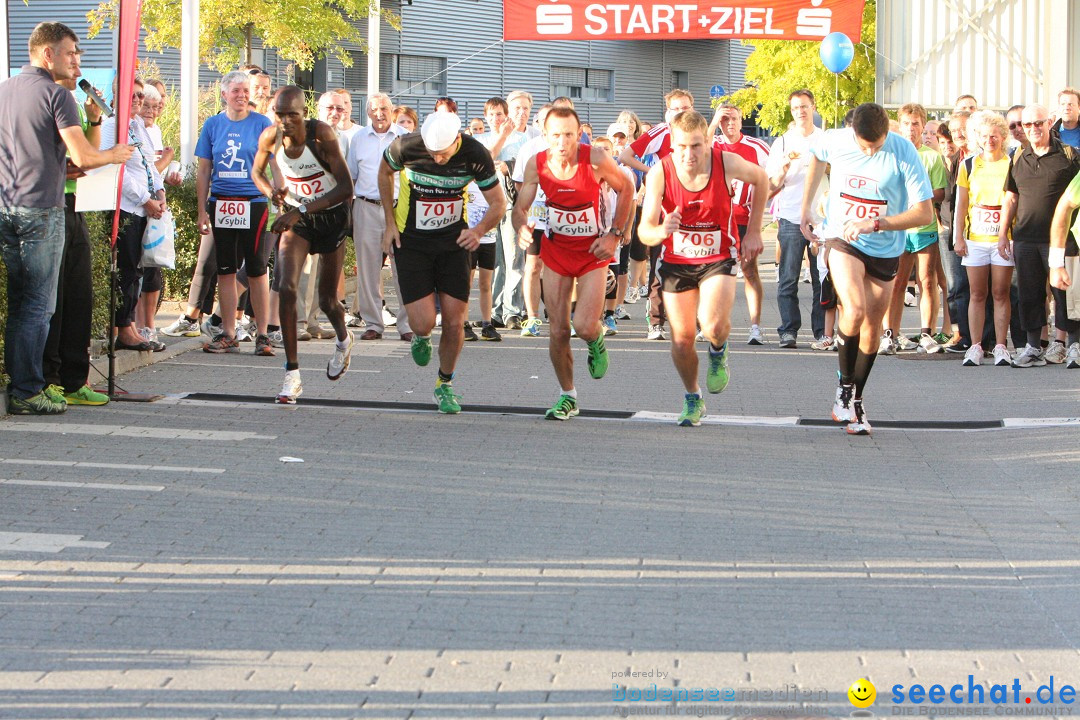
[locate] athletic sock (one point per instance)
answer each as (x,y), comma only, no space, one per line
(289,367)
(272,328)
(863,363)
(848,352)
(191,319)
(572,392)
(444,379)
(215,320)
(713,350)
(609,313)
(1044,343)
(925,331)
(1034,337)
(342,344)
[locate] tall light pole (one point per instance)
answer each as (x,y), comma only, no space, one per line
(373,36)
(189,80)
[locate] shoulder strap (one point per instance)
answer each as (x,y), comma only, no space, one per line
(969,165)
(310,143)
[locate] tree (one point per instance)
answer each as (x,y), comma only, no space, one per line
(777,67)
(300,30)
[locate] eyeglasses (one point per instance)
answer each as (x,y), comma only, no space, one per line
(1034,123)
(336,108)
(138,96)
(1014,125)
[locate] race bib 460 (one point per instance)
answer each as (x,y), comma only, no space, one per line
(232,214)
(437,214)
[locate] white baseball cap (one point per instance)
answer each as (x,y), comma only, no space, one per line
(440,130)
(617,128)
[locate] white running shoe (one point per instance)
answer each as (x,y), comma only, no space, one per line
(389,319)
(1055,352)
(905,343)
(291,389)
(1072,357)
(887,346)
(699,337)
(910,298)
(842,411)
(859,425)
(825,343)
(353,321)
(621,314)
(928,345)
(631,296)
(1002,356)
(805,277)
(242,334)
(974,356)
(183,328)
(339,361)
(276,339)
(756,337)
(1029,357)
(656,332)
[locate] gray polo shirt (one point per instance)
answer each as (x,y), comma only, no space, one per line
(33,111)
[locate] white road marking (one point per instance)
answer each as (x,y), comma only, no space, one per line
(44,542)
(84,485)
(109,466)
(218,366)
(133,431)
(650,416)
(1021,423)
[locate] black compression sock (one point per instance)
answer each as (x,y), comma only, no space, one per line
(191,319)
(1034,338)
(444,377)
(848,352)
(272,328)
(292,366)
(863,363)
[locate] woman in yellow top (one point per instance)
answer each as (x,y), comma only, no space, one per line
(980,191)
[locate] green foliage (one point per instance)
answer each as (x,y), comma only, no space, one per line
(183,202)
(777,67)
(300,30)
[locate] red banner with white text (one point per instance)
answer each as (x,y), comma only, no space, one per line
(705,20)
(127,51)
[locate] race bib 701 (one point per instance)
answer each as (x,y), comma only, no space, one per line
(232,214)
(438,214)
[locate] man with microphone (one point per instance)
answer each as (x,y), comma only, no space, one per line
(41,119)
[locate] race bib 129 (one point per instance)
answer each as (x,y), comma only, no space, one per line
(985,220)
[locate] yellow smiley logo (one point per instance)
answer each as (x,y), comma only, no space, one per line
(862,693)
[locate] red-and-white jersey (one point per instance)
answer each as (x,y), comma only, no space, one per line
(708,232)
(574,205)
(755,151)
(655,142)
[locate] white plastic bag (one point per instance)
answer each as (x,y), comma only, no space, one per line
(158,247)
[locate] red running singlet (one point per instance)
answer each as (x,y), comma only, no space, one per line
(574,216)
(707,232)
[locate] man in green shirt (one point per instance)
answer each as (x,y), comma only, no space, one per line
(921,248)
(66,360)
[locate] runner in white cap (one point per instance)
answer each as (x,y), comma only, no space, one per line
(429,236)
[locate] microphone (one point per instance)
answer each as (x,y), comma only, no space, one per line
(92,93)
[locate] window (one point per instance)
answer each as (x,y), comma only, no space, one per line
(427,73)
(680,79)
(585,84)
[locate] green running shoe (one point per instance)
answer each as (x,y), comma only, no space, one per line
(86,395)
(563,409)
(717,378)
(445,397)
(598,358)
(55,393)
(421,350)
(693,410)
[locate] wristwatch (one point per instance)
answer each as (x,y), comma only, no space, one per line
(302,209)
(877,225)
(613,231)
(94,124)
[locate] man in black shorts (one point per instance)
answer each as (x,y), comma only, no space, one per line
(317,193)
(428,234)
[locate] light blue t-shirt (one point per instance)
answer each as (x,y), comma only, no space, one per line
(230,147)
(1070,137)
(865,187)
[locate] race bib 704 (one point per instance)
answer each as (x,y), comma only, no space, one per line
(577,222)
(232,214)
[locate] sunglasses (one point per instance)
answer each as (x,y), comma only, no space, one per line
(1035,123)
(138,96)
(337,108)
(1014,125)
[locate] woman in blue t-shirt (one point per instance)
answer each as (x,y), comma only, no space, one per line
(233,209)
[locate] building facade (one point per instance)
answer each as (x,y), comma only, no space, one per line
(455,48)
